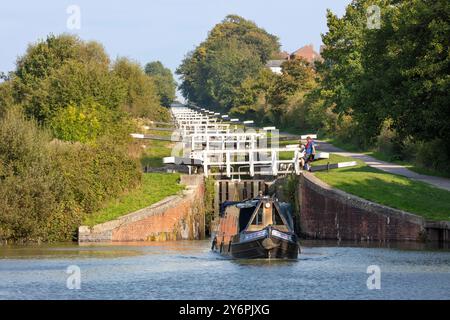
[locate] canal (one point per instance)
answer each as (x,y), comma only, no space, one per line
(189,270)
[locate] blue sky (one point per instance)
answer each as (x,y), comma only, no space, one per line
(162,30)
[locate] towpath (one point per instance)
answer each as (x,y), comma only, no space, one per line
(439,182)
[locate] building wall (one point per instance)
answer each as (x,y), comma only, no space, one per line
(174,218)
(328,213)
(276,70)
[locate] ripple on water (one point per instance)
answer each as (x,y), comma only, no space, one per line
(189,270)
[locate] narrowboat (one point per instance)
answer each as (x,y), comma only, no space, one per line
(260,228)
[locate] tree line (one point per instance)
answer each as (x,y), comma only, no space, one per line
(383,88)
(66,113)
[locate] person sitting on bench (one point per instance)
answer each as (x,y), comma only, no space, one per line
(310,152)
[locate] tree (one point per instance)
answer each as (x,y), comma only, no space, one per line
(45,56)
(164,81)
(142,99)
(48,186)
(75,83)
(407,70)
(344,73)
(394,76)
(265,44)
(230,64)
(65,88)
(63,70)
(285,93)
(236,49)
(6,96)
(295,75)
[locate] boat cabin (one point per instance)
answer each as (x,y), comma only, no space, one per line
(253,215)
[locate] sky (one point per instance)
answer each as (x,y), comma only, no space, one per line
(151,30)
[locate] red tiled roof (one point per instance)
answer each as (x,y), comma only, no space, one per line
(307,52)
(283,55)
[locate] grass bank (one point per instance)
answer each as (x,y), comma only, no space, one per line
(384,157)
(155,187)
(155,151)
(388,189)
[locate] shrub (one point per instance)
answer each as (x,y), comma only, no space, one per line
(433,154)
(389,143)
(95,173)
(84,123)
(33,204)
(48,187)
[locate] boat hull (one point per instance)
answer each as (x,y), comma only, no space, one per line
(264,248)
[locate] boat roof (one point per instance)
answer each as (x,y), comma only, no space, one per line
(239,204)
(285,208)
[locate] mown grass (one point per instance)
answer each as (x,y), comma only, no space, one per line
(411,166)
(387,189)
(163,133)
(343,145)
(385,157)
(155,187)
(286,155)
(155,151)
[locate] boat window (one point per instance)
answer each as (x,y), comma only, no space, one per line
(276,218)
(258,220)
(244,217)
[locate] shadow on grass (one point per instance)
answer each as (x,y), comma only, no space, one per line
(150,161)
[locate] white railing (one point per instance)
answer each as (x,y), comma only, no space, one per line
(213,144)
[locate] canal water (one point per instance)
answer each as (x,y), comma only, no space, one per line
(189,270)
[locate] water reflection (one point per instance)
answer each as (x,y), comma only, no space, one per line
(189,270)
(265,263)
(400,245)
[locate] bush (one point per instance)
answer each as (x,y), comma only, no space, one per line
(48,187)
(433,155)
(33,204)
(84,123)
(95,173)
(389,144)
(76,83)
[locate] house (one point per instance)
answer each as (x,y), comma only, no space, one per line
(275,65)
(307,53)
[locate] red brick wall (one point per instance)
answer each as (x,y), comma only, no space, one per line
(328,213)
(174,223)
(174,218)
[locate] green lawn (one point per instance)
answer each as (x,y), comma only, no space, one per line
(344,146)
(163,133)
(155,187)
(155,151)
(388,189)
(411,166)
(286,155)
(383,157)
